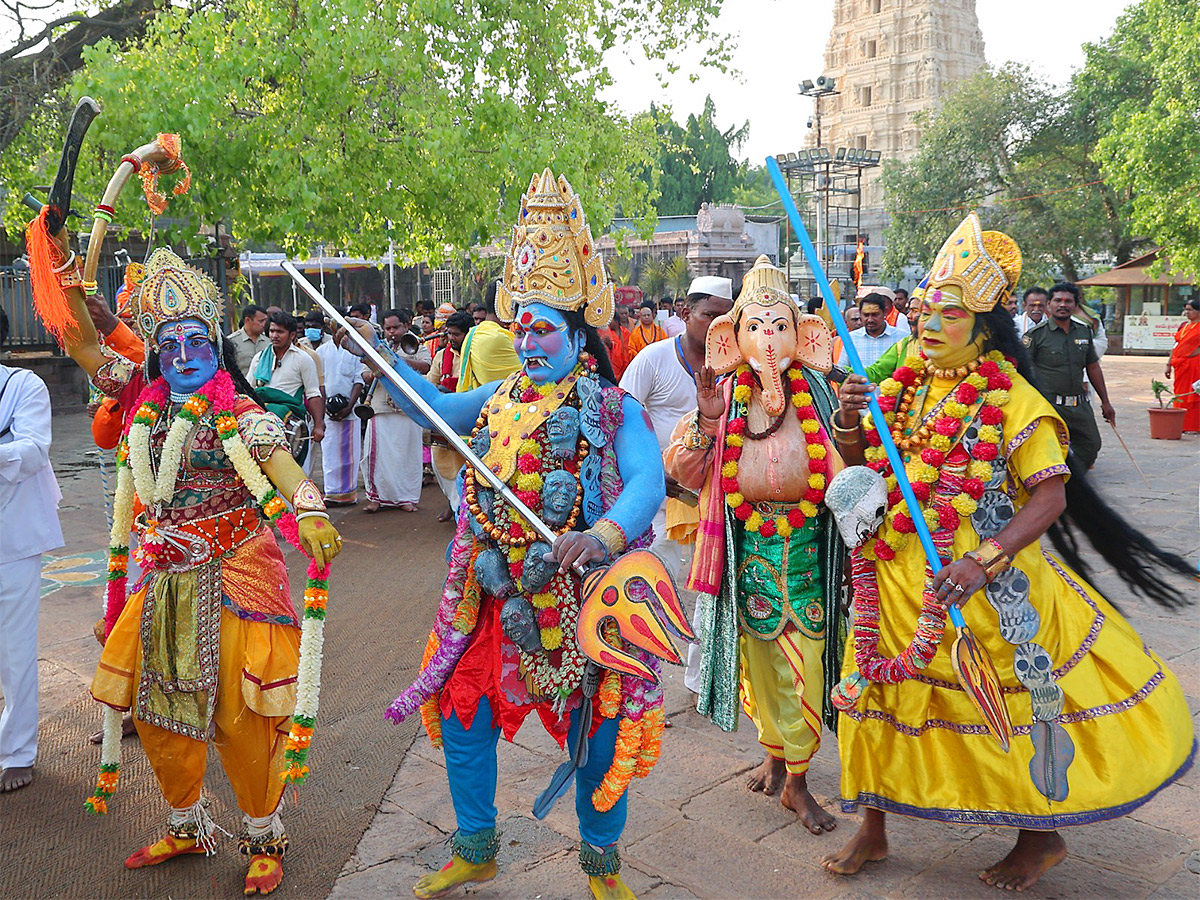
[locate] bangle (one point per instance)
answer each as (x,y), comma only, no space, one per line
(610,534)
(845,435)
(58,270)
(306,497)
(696,439)
(991,557)
(321,514)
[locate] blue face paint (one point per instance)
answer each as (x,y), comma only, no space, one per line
(544,342)
(314,335)
(186,357)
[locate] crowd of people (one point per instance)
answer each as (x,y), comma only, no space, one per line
(708,454)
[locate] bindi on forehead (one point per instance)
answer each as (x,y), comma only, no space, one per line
(526,319)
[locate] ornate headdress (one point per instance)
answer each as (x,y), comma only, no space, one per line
(765,284)
(984,265)
(172,290)
(552,258)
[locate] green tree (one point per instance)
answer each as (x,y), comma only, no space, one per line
(678,277)
(695,161)
(653,279)
(620,270)
(1152,148)
(352,121)
(1021,152)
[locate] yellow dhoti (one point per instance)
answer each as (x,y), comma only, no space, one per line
(257,655)
(782,682)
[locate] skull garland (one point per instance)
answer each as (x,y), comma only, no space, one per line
(857,497)
(1035,670)
(995,510)
(1009,596)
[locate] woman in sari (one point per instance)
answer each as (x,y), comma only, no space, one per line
(1185,361)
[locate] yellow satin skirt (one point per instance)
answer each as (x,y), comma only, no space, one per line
(1112,725)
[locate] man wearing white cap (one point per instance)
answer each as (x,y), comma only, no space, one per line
(662,378)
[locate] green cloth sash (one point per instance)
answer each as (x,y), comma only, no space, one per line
(779,580)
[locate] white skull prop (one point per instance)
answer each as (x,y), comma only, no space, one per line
(999,468)
(1035,670)
(857,497)
(1009,596)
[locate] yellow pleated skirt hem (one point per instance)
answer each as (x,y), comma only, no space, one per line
(1006,819)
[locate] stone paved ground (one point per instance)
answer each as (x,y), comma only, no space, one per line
(695,831)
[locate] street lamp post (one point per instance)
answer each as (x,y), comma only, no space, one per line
(824,86)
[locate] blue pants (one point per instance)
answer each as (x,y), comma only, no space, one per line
(471,767)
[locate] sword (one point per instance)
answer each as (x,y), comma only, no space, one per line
(59,200)
(1130,454)
(452,437)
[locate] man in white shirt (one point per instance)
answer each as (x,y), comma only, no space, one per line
(662,379)
(392,460)
(341,447)
(29,498)
(288,369)
(1033,309)
(876,335)
(251,337)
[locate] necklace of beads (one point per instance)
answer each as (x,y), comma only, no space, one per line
(948,479)
(815,442)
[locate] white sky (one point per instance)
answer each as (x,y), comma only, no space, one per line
(782,42)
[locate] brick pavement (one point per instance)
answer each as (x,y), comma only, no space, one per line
(695,831)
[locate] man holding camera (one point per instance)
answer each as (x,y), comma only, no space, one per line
(342,445)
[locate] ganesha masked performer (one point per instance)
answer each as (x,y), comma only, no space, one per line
(207,644)
(507,641)
(1100,725)
(768,563)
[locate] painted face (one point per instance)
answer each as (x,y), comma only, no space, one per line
(186,357)
(766,337)
(544,342)
(946,328)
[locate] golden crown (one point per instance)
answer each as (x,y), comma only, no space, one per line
(984,265)
(172,290)
(552,258)
(765,284)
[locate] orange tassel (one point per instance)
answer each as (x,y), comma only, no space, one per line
(49,298)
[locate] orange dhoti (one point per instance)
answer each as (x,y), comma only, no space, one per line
(215,644)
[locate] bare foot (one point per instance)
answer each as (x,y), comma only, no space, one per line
(797,798)
(1036,853)
(768,777)
(446,515)
(15,778)
(371,507)
(869,844)
(127,728)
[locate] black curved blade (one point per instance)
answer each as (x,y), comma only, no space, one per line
(60,192)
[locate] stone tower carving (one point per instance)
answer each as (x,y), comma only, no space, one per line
(893,59)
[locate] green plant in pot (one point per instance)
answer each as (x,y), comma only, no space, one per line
(1166,422)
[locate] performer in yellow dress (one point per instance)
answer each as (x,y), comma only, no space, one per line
(1100,723)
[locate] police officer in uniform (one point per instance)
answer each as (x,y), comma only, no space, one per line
(1062,349)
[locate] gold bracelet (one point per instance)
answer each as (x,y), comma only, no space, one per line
(991,557)
(306,498)
(610,533)
(845,435)
(696,439)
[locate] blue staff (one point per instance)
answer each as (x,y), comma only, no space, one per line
(967,652)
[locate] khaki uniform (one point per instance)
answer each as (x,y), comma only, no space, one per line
(1060,358)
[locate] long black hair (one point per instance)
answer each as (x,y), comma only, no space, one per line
(592,343)
(228,362)
(1136,559)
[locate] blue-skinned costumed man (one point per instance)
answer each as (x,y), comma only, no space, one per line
(580,453)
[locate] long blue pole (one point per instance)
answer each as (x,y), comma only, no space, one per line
(839,322)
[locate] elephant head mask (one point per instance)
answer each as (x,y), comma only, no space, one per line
(766,330)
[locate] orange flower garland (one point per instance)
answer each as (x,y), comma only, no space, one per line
(815,443)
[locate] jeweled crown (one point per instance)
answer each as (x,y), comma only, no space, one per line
(984,265)
(172,290)
(552,258)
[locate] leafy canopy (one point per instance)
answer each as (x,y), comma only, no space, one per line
(352,121)
(695,161)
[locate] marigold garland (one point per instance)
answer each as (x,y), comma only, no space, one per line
(947,482)
(626,756)
(815,444)
(135,471)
